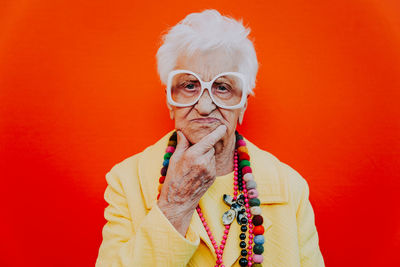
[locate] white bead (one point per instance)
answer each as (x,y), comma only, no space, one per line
(248,177)
(255,210)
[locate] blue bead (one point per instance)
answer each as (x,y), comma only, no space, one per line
(259,239)
(166,162)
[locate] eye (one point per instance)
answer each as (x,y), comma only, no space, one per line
(189,86)
(222,88)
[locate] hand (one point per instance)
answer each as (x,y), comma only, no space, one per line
(190,173)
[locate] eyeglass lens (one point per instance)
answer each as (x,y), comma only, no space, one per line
(227,90)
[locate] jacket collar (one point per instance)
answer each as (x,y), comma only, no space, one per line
(271,186)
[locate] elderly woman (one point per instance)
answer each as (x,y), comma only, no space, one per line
(219,200)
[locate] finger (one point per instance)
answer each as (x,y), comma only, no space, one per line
(182,145)
(208,141)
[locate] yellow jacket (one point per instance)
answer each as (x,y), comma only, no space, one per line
(138,234)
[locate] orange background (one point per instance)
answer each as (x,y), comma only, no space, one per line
(79,92)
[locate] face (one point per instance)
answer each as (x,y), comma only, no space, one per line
(203,117)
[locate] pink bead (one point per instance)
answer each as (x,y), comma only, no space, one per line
(245,191)
(215,246)
(249,263)
(227,227)
(223,241)
(250,248)
(225,236)
(247,205)
(250,220)
(250,258)
(226,232)
(253,193)
(246,169)
(240,143)
(250,231)
(245,195)
(222,265)
(250,253)
(219,262)
(258,258)
(170,149)
(222,247)
(251,226)
(251,236)
(246,200)
(248,215)
(209,232)
(235,188)
(235,173)
(247,210)
(250,242)
(213,241)
(235,182)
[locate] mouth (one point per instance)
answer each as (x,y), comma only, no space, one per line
(206,120)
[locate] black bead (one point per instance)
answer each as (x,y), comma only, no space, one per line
(243,252)
(240,188)
(243,220)
(243,262)
(242,244)
(243,228)
(242,236)
(258,249)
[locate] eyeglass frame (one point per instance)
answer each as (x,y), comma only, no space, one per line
(206,85)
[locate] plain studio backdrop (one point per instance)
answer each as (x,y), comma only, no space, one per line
(79,92)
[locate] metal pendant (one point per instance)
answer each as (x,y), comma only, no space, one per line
(228,217)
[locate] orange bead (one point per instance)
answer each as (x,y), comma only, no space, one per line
(258,230)
(159,187)
(243,149)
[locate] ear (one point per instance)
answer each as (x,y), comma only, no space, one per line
(241,115)
(171,111)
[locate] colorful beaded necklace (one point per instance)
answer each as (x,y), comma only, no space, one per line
(244,206)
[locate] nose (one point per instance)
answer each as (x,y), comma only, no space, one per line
(205,105)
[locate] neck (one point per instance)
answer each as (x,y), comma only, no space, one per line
(224,152)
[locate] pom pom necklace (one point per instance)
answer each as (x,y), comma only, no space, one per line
(244,206)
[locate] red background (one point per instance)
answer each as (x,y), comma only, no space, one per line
(79,92)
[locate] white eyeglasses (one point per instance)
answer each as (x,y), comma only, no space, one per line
(227,90)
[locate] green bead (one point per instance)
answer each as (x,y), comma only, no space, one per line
(258,249)
(243,163)
(167,155)
(254,202)
(257,265)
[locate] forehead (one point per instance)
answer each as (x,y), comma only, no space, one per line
(208,64)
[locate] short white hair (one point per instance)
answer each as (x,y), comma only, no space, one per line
(208,31)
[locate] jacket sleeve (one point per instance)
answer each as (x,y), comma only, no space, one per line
(147,241)
(310,254)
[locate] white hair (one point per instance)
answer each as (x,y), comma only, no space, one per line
(208,31)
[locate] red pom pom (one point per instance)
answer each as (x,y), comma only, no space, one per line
(258,230)
(244,156)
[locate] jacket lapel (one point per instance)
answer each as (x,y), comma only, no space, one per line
(271,185)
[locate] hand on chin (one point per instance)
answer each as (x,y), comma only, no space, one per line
(194,133)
